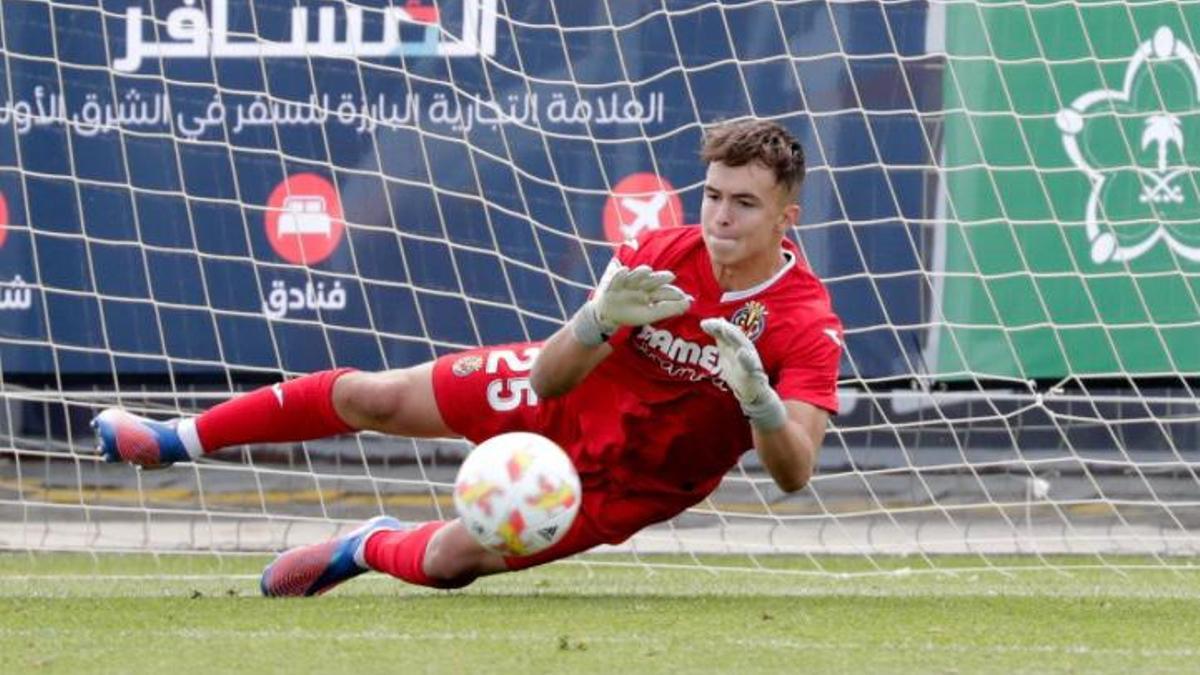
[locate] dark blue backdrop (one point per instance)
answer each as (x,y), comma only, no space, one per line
(146,249)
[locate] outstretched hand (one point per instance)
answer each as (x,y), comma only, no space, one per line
(742,369)
(628,297)
(638,296)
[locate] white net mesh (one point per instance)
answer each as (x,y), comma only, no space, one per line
(199,197)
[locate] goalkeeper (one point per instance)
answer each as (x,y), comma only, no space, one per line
(697,344)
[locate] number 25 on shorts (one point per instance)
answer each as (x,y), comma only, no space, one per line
(507,394)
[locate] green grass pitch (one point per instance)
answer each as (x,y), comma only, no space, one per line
(75,613)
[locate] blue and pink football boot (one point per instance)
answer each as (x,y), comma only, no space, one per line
(316,568)
(125,437)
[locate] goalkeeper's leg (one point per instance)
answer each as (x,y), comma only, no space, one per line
(322,404)
(437,554)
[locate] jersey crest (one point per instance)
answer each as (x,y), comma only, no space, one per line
(751,318)
(466,365)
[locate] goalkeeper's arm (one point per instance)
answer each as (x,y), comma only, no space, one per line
(563,363)
(624,297)
(789,451)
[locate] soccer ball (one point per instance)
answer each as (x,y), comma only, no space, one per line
(517,493)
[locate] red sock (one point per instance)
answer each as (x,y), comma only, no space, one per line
(296,410)
(401,553)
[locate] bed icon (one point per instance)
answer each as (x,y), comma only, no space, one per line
(304,214)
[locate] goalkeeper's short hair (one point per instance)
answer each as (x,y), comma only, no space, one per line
(763,141)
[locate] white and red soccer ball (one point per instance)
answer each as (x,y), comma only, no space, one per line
(517,493)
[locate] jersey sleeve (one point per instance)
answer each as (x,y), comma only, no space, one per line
(809,370)
(627,255)
(641,251)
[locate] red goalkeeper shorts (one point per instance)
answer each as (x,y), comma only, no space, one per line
(484,392)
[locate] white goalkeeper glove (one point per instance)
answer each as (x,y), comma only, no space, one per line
(628,297)
(742,370)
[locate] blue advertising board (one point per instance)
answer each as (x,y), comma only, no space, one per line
(198,186)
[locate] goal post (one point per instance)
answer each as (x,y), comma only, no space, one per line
(197,198)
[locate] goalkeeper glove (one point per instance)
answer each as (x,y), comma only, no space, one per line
(628,297)
(742,369)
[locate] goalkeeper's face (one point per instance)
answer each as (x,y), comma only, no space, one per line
(745,214)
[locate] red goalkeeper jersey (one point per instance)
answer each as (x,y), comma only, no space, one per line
(654,417)
(653,428)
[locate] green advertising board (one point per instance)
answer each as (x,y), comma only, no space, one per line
(1069,243)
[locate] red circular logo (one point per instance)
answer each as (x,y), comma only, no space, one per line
(641,201)
(3,219)
(304,219)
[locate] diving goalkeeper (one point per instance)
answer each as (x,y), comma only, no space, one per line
(697,344)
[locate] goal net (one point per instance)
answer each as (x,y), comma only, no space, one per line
(198,197)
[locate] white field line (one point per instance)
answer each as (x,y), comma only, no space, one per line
(957,585)
(510,637)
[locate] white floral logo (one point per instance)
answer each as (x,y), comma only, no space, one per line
(1132,144)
